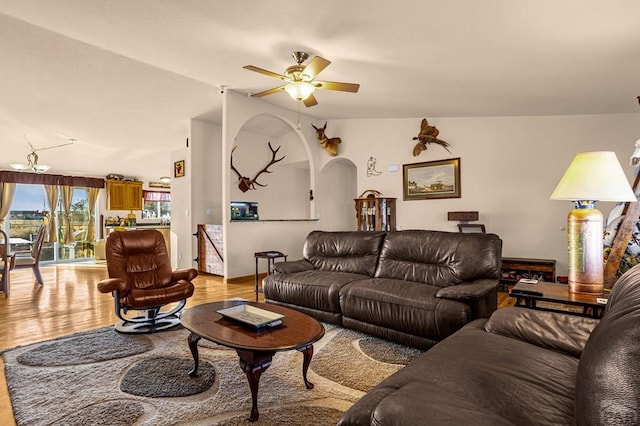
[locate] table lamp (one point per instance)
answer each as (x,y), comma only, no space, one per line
(591,177)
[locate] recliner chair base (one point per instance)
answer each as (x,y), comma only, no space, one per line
(129,327)
(152,321)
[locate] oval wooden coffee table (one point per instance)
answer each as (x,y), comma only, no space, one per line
(255,347)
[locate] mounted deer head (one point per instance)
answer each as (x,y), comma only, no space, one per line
(245,183)
(329,144)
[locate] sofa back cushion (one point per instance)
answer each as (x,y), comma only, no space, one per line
(440,258)
(356,252)
(608,379)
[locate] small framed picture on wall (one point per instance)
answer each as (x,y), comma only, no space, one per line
(178,168)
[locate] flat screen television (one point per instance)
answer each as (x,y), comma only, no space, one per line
(244,210)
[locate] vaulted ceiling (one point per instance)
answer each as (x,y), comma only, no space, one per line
(125,77)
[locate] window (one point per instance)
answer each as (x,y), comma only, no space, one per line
(79,248)
(27,212)
(157,205)
(29,209)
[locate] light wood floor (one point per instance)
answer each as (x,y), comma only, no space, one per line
(70,302)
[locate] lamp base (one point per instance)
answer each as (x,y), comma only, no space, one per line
(586,264)
(591,289)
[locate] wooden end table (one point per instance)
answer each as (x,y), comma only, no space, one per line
(255,347)
(271,257)
(528,296)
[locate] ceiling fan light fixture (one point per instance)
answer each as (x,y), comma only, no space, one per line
(299,90)
(36,168)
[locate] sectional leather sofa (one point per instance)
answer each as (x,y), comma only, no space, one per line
(414,287)
(521,367)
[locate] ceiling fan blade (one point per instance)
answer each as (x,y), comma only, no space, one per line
(314,68)
(268,92)
(310,101)
(334,85)
(70,142)
(264,72)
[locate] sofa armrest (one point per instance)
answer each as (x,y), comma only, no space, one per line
(551,330)
(292,266)
(468,292)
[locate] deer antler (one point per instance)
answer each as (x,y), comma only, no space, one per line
(233,168)
(272,162)
(245,183)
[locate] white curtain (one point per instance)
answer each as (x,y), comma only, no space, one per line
(52,199)
(92,199)
(67,195)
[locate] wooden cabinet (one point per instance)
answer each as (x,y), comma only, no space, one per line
(376,214)
(124,195)
(516,268)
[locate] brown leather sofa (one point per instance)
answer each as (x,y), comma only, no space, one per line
(522,367)
(414,287)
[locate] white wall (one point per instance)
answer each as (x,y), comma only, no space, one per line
(509,167)
(181,210)
(336,189)
(206,182)
(287,182)
(241,240)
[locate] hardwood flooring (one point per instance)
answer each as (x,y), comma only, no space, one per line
(70,302)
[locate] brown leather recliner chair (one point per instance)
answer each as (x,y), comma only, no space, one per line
(141,279)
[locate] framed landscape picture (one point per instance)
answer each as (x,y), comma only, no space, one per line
(431,180)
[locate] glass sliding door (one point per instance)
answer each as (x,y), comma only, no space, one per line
(29,210)
(74,246)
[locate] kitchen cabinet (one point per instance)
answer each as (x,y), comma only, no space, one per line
(124,195)
(376,214)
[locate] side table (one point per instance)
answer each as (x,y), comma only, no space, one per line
(555,297)
(271,257)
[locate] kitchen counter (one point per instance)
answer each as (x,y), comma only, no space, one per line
(139,226)
(165,230)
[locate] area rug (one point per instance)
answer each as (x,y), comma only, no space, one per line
(101,377)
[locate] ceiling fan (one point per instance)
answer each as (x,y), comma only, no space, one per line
(300,80)
(32,157)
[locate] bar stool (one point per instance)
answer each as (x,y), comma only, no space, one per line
(271,257)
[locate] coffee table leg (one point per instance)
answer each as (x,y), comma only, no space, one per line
(307,351)
(254,364)
(193,346)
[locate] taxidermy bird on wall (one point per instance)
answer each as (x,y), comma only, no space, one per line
(428,134)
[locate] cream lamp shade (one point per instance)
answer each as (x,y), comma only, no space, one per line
(299,90)
(594,176)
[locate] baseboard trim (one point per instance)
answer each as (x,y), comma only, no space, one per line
(243,279)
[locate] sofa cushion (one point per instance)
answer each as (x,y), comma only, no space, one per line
(405,306)
(439,258)
(319,290)
(552,330)
(445,408)
(355,252)
(520,383)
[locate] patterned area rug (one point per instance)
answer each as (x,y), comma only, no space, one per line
(101,377)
